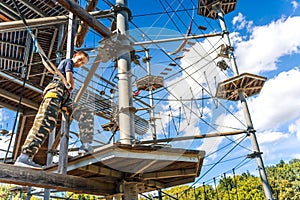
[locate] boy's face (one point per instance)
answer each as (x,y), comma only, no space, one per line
(79,60)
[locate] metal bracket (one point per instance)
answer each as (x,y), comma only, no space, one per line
(119,8)
(111,48)
(254,154)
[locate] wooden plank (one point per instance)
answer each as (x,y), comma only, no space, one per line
(86,17)
(102,171)
(4,18)
(38,178)
(169,174)
(83,27)
(13,97)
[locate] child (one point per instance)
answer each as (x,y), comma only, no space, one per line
(54,96)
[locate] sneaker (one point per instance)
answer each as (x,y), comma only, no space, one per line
(85,148)
(24,161)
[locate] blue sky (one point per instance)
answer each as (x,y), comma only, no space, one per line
(266,41)
(266,38)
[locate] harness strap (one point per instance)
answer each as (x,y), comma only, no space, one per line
(51,95)
(52,68)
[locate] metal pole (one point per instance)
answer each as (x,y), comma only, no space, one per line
(261,168)
(152,119)
(51,140)
(177,39)
(159,194)
(60,41)
(29,195)
(126,110)
(64,140)
(71,35)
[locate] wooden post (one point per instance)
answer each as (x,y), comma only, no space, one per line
(130,191)
(86,17)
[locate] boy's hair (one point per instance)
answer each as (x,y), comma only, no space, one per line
(83,53)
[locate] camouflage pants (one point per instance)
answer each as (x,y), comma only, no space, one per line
(46,119)
(85,118)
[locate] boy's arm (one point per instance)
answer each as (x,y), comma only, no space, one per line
(70,80)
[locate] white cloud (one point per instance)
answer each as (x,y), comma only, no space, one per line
(270,137)
(239,21)
(296,155)
(295,4)
(295,128)
(267,44)
(278,103)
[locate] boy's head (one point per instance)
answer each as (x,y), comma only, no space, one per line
(80,58)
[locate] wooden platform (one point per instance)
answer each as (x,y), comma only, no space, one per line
(149,81)
(106,170)
(206,7)
(249,84)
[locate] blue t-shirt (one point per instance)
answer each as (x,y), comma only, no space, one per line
(64,67)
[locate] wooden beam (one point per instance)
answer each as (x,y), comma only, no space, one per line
(154,184)
(16,80)
(8,106)
(33,8)
(38,178)
(11,59)
(45,21)
(13,97)
(11,43)
(102,171)
(19,137)
(2,17)
(83,27)
(180,182)
(169,174)
(86,17)
(9,12)
(49,55)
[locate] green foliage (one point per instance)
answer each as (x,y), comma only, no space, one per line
(81,196)
(284,179)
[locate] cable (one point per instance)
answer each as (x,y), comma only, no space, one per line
(217,162)
(162,12)
(189,74)
(18,110)
(22,91)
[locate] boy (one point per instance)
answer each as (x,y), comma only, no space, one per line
(54,96)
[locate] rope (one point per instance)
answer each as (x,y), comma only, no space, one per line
(17,113)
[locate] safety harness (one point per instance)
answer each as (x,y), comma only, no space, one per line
(50,67)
